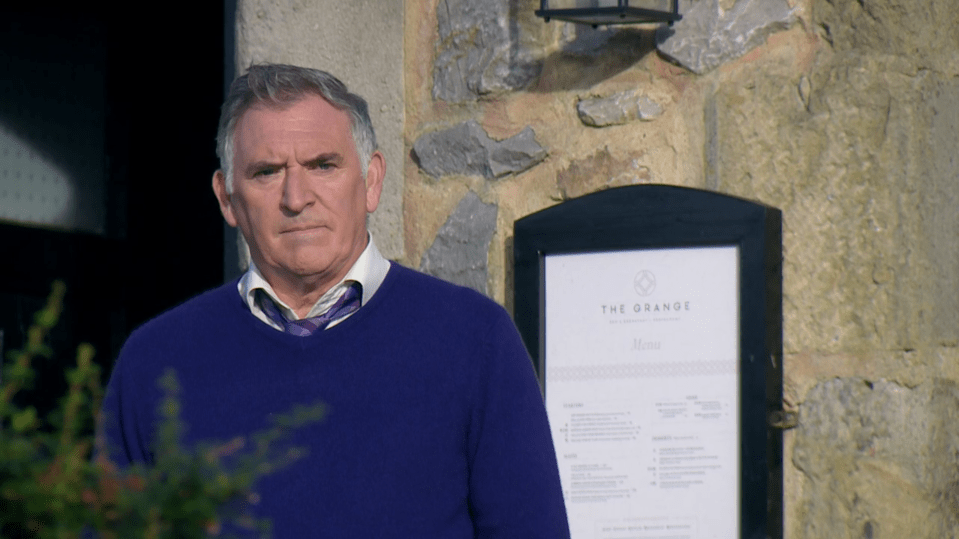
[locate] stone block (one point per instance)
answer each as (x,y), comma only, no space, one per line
(920,30)
(879,458)
(709,35)
(459,253)
(467,149)
(597,172)
(481,50)
(617,109)
(864,169)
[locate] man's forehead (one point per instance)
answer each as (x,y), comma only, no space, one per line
(284,104)
(311,112)
(313,126)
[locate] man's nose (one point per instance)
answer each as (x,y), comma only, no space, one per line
(297,195)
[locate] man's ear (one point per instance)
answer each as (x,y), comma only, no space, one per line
(374,181)
(226,205)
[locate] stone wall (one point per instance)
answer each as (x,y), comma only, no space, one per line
(842,113)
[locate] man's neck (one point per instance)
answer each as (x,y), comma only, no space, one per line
(301,293)
(369,271)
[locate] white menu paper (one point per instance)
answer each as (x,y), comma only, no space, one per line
(642,391)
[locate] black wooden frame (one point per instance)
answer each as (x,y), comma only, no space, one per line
(663,217)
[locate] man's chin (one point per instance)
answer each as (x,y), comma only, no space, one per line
(307,238)
(308,272)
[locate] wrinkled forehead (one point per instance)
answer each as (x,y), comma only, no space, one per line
(309,125)
(280,104)
(285,101)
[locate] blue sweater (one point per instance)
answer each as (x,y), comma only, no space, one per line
(435,425)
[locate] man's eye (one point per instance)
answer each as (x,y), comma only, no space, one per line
(266,172)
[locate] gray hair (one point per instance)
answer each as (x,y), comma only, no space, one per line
(281,85)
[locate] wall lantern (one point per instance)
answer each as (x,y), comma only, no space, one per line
(603,12)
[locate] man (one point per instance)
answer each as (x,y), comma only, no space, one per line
(435,424)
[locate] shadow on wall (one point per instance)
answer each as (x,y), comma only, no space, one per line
(592,56)
(492,46)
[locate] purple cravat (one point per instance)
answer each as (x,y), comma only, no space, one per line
(347,303)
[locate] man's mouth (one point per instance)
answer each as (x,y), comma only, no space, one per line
(302,228)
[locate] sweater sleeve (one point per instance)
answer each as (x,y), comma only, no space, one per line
(126,415)
(514,480)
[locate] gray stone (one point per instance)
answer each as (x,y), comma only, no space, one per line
(879,453)
(708,35)
(851,418)
(480,50)
(617,109)
(460,149)
(467,149)
(515,154)
(459,253)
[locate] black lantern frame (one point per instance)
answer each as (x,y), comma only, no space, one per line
(622,13)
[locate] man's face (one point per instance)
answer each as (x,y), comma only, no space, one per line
(299,196)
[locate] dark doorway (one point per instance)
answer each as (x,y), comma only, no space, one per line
(125,105)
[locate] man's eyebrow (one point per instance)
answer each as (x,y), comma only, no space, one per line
(258,166)
(328,157)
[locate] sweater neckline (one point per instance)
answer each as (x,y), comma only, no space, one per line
(247,318)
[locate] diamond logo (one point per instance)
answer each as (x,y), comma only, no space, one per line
(644,283)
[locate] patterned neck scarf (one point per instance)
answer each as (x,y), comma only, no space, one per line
(347,304)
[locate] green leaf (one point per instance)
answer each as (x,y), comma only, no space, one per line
(40,349)
(85,353)
(46,318)
(24,420)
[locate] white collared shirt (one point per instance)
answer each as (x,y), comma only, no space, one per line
(369,270)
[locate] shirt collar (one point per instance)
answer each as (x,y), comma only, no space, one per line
(369,270)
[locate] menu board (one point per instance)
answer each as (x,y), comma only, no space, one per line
(642,390)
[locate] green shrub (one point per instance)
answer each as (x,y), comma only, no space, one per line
(51,486)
